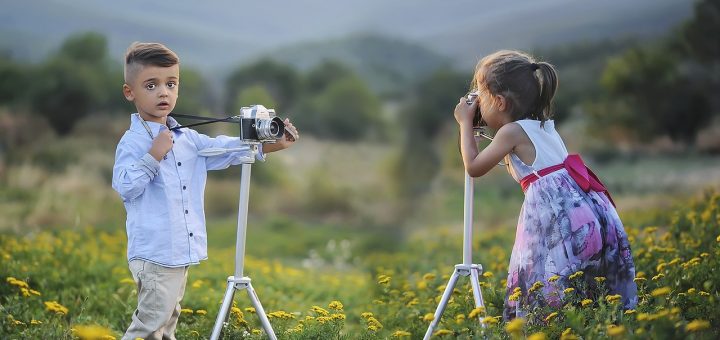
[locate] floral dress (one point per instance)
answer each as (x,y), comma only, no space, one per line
(563,230)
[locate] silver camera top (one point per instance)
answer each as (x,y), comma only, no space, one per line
(471,97)
(257,112)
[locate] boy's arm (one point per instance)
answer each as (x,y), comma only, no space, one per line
(291,135)
(133,170)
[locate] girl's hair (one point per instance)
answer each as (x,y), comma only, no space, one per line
(529,86)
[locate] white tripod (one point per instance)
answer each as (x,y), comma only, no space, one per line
(238,281)
(467,268)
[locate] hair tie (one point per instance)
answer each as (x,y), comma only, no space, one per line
(534,66)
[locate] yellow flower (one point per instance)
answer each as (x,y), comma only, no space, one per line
(54,306)
(368,314)
(336,316)
(658,277)
(201,312)
(422,285)
(629,311)
(383,279)
(489,320)
(613,330)
(704,293)
(186,310)
(551,316)
(441,332)
(35,322)
(576,275)
(34,292)
(515,326)
(661,291)
(460,318)
(568,335)
(428,317)
(399,334)
(429,277)
(197,284)
(586,302)
(488,274)
(336,305)
(554,278)
(691,291)
(536,286)
(320,311)
(600,279)
(697,325)
(611,299)
(92,332)
(475,312)
(256,331)
(568,290)
(639,279)
(250,310)
(128,281)
(15,282)
(537,336)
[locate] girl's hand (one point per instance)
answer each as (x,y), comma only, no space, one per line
(464,112)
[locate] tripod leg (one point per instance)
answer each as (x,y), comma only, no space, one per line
(222,315)
(477,294)
(261,313)
(443,303)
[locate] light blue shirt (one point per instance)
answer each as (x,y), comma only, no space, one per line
(164,200)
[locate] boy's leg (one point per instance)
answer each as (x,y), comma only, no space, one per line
(159,290)
(169,332)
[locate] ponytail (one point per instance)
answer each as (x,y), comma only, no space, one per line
(548,81)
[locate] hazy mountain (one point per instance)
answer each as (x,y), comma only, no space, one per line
(217,34)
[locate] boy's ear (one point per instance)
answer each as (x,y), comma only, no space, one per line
(127,92)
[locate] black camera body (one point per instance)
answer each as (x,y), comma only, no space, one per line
(259,124)
(477,117)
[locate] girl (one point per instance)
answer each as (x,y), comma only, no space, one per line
(568,222)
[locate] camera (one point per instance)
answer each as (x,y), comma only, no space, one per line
(259,124)
(477,117)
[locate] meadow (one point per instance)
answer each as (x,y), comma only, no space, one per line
(360,272)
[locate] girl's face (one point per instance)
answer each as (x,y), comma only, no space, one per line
(493,109)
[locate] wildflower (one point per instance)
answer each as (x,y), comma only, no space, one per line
(256,331)
(567,335)
(537,336)
(554,278)
(372,321)
(197,284)
(586,302)
(611,299)
(661,291)
(422,285)
(658,277)
(639,279)
(399,334)
(629,311)
(703,293)
(488,275)
(691,291)
(92,332)
(413,302)
(323,319)
(383,279)
(15,282)
(660,267)
(441,332)
(34,292)
(536,286)
(568,290)
(600,279)
(320,311)
(429,277)
(336,305)
(128,281)
(250,310)
(515,326)
(613,330)
(366,315)
(428,317)
(35,322)
(54,306)
(576,275)
(475,312)
(697,325)
(704,255)
(186,310)
(489,320)
(372,328)
(551,316)
(201,312)
(459,319)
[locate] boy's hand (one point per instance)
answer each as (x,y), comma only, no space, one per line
(161,145)
(291,136)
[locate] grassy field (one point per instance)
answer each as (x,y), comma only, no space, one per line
(331,257)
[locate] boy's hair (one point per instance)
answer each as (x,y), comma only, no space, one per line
(144,54)
(529,86)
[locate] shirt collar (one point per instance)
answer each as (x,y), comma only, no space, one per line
(137,125)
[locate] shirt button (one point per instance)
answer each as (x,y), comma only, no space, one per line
(186,211)
(179,163)
(184,187)
(165,157)
(191,234)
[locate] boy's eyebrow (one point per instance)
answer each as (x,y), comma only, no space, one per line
(155,79)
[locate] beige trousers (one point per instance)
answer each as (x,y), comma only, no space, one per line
(160,290)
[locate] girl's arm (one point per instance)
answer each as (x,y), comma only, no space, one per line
(478,163)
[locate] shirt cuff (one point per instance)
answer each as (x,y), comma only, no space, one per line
(260,155)
(149,165)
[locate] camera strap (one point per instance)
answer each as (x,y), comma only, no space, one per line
(145,125)
(207,120)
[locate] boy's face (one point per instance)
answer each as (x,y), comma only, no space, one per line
(154,90)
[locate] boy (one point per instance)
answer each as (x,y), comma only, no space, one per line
(161,180)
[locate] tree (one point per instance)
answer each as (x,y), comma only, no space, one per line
(281,82)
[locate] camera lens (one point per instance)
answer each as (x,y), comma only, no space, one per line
(270,128)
